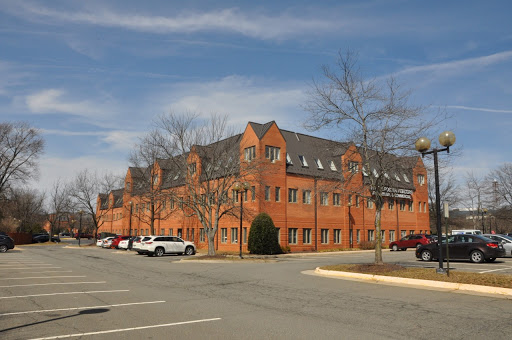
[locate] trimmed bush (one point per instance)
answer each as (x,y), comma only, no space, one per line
(367,245)
(263,238)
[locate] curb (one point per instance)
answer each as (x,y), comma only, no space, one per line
(417,282)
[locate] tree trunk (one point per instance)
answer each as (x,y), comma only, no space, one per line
(378,244)
(211,242)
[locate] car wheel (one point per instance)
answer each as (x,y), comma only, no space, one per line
(3,248)
(395,247)
(426,255)
(189,250)
(159,251)
(476,256)
(491,259)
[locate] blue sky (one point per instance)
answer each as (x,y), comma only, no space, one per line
(93,74)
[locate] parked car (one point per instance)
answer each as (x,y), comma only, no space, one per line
(411,241)
(117,239)
(6,243)
(107,242)
(84,235)
(40,238)
(476,248)
(160,245)
(505,240)
(137,242)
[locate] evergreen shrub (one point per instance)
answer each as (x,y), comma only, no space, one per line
(263,238)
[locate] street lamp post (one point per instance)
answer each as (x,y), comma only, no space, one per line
(446,139)
(130,220)
(80,226)
(241,187)
(483,211)
(350,231)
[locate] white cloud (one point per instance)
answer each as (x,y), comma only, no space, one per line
(232,20)
(52,101)
(244,99)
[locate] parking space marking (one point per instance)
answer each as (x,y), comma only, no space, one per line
(66,293)
(82,308)
(494,270)
(49,284)
(30,268)
(49,271)
(38,277)
(24,264)
(126,329)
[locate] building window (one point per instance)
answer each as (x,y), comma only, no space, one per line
(337,236)
(336,199)
(358,236)
(253,193)
(244,231)
(357,201)
(272,153)
(306,236)
(353,167)
(155,179)
(411,232)
(250,153)
(278,194)
(319,164)
(147,206)
(292,195)
(410,206)
(403,233)
(421,179)
(383,235)
(201,235)
(244,194)
(234,195)
(325,236)
(371,235)
(292,235)
(267,193)
(306,196)
(369,203)
(332,166)
(128,186)
(391,236)
(402,205)
(419,206)
(391,203)
(192,168)
(324,198)
(234,235)
(303,161)
(224,235)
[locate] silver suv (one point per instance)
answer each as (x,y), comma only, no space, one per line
(160,245)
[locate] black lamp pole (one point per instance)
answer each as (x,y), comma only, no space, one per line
(446,139)
(350,231)
(80,227)
(240,187)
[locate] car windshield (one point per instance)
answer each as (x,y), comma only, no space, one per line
(507,237)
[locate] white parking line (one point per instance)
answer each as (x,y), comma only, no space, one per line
(49,271)
(66,293)
(126,329)
(49,284)
(24,264)
(82,308)
(39,277)
(494,270)
(30,268)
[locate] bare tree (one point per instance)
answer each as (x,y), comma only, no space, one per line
(84,190)
(20,148)
(27,207)
(475,195)
(500,180)
(449,190)
(203,162)
(379,120)
(59,205)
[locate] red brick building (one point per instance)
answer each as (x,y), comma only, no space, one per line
(309,186)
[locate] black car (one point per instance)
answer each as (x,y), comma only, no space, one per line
(40,238)
(6,243)
(476,248)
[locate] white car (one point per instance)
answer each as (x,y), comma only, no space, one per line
(107,242)
(99,243)
(137,241)
(123,244)
(504,239)
(160,245)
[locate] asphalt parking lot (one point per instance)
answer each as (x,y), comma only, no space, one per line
(55,292)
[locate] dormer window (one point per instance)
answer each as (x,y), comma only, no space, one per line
(176,177)
(332,166)
(250,153)
(155,179)
(192,168)
(386,175)
(397,177)
(272,153)
(319,164)
(303,161)
(375,173)
(128,186)
(406,178)
(288,159)
(421,179)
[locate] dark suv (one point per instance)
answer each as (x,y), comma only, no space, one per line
(6,243)
(411,241)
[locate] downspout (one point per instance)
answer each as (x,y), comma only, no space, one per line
(316,217)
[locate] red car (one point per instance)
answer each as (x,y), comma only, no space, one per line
(411,241)
(115,242)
